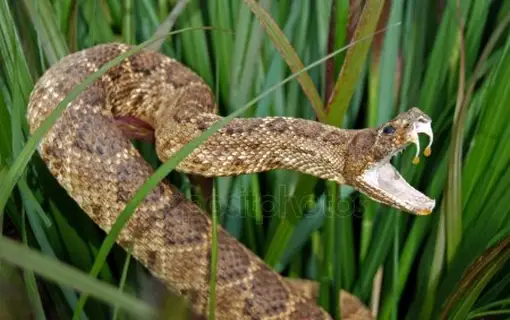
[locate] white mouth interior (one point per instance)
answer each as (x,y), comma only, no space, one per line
(388,181)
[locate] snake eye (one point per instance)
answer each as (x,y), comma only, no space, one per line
(388,130)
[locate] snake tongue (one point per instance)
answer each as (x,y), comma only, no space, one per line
(384,184)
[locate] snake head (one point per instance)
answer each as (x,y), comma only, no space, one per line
(368,166)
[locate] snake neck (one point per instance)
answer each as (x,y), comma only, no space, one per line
(251,145)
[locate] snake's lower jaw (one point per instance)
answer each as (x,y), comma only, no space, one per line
(384,184)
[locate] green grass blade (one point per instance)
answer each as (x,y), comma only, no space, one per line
(221,18)
(481,315)
(99,30)
(289,55)
(476,22)
(346,261)
(247,67)
(376,254)
(389,59)
(45,22)
(122,283)
(39,222)
(460,302)
(162,9)
(301,43)
(354,62)
(438,62)
(314,220)
(436,268)
(453,191)
(33,294)
(327,285)
(167,25)
(498,303)
(494,292)
(476,159)
(33,261)
(242,32)
(11,50)
(194,44)
(12,295)
(63,11)
(251,203)
(5,133)
(128,26)
(214,256)
(115,9)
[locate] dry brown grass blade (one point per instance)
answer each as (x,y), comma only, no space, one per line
(354,62)
(377,44)
(476,271)
(290,56)
(355,9)
(330,64)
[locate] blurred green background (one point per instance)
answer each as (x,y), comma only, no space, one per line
(448,57)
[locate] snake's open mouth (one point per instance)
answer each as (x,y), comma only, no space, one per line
(388,186)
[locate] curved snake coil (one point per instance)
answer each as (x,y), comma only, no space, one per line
(93,159)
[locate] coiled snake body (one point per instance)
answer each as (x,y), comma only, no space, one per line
(95,162)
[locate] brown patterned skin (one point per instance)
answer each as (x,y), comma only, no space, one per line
(170,235)
(351,307)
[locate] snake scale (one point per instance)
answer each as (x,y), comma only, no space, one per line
(94,160)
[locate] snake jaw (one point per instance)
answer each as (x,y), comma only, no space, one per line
(383,183)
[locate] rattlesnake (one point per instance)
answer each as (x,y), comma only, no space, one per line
(96,163)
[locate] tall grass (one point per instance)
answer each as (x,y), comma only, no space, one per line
(450,58)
